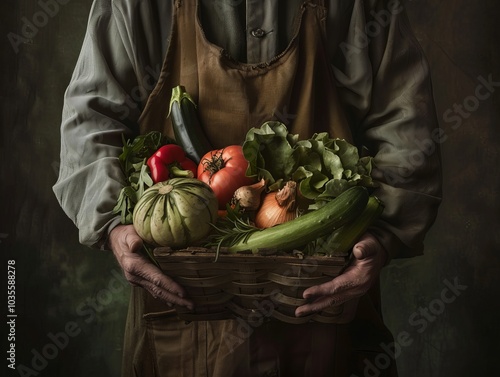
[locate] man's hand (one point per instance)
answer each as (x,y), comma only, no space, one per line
(369,258)
(139,271)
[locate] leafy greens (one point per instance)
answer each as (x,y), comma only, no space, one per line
(324,167)
(133,162)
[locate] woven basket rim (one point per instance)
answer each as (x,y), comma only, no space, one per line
(201,254)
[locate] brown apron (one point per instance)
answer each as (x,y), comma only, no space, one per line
(297,88)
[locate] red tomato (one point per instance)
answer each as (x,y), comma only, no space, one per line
(224,171)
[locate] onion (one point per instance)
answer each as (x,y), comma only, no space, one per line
(248,197)
(278,207)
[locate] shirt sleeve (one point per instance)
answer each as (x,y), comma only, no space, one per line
(385,84)
(101,103)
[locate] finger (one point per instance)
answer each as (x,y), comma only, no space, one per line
(322,303)
(165,295)
(347,312)
(156,277)
(349,280)
(147,272)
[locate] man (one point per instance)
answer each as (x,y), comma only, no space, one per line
(351,68)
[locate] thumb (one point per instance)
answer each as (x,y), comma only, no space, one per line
(366,247)
(133,241)
(361,251)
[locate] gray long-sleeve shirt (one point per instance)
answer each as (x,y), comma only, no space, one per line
(382,76)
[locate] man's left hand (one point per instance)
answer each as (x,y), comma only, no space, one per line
(369,258)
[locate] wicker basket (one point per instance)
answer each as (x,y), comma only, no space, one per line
(252,287)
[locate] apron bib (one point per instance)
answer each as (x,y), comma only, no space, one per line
(297,88)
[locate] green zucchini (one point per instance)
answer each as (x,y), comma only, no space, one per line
(186,125)
(309,227)
(344,238)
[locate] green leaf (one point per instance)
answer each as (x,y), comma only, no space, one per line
(145,180)
(125,203)
(348,153)
(333,164)
(150,255)
(301,173)
(269,152)
(334,188)
(309,153)
(276,185)
(312,186)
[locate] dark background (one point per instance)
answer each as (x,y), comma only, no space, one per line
(71,301)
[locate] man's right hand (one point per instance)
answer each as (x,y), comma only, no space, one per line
(139,271)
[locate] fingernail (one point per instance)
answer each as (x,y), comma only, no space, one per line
(190,307)
(170,304)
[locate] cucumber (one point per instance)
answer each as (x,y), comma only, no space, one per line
(343,239)
(186,125)
(309,227)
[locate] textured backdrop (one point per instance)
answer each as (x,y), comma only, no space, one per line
(71,301)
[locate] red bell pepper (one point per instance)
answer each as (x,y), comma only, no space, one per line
(170,161)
